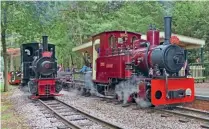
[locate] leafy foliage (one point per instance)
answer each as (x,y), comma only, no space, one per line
(69,23)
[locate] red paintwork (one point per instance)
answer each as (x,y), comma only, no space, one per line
(153,37)
(16,82)
(34,97)
(47,54)
(42,86)
(109,66)
(112,67)
(174,40)
(142,91)
(173,83)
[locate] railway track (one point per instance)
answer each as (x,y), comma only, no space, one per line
(184,111)
(200,97)
(181,111)
(74,118)
(189,113)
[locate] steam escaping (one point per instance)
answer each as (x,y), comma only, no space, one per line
(124,90)
(129,88)
(142,103)
(168,7)
(25,89)
(89,85)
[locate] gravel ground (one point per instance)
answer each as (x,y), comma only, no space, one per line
(126,117)
(28,108)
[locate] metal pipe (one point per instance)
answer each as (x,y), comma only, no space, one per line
(167,29)
(45,43)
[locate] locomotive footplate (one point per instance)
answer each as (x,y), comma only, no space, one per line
(174,94)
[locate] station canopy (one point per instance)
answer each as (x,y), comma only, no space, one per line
(13,51)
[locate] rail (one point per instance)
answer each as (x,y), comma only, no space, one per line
(188,112)
(62,118)
(73,116)
(200,97)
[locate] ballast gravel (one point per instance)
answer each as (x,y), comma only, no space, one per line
(125,116)
(33,114)
(116,114)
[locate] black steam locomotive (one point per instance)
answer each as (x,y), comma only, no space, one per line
(39,69)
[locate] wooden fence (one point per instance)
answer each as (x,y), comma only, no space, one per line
(197,72)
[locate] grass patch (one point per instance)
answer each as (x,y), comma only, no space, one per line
(6,116)
(4,107)
(9,117)
(10,87)
(1,86)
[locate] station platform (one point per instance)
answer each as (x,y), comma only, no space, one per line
(202,91)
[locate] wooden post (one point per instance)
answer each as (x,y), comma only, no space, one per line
(201,55)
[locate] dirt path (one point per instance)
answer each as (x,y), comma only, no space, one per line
(9,118)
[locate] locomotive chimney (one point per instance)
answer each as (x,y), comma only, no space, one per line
(167,29)
(45,43)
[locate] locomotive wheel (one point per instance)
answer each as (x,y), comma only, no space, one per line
(83,92)
(87,94)
(58,87)
(148,94)
(101,89)
(79,88)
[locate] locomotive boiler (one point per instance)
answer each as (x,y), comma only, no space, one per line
(39,68)
(146,69)
(151,58)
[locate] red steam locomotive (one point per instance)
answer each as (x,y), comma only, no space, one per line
(132,68)
(39,69)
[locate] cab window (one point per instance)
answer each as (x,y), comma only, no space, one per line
(134,38)
(112,42)
(120,40)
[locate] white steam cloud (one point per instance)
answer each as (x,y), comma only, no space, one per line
(127,88)
(123,90)
(168,7)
